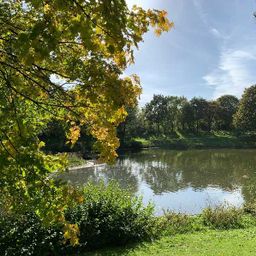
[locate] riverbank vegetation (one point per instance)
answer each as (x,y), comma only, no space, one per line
(107,216)
(110,216)
(213,140)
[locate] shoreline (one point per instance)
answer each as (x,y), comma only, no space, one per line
(89,164)
(210,141)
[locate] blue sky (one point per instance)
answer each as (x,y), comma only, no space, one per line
(210,52)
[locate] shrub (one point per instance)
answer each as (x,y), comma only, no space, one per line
(111,216)
(27,236)
(135,144)
(250,207)
(108,216)
(180,223)
(222,217)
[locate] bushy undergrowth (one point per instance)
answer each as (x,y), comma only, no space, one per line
(250,208)
(108,216)
(27,236)
(178,222)
(223,217)
(111,216)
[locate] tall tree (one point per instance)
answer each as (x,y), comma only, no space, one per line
(174,109)
(199,106)
(227,107)
(187,118)
(131,126)
(245,117)
(62,59)
(156,112)
(210,113)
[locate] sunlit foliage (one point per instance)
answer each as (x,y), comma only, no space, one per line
(63,59)
(245,117)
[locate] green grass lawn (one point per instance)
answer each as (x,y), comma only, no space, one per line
(239,242)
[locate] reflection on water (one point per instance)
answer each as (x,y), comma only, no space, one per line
(184,181)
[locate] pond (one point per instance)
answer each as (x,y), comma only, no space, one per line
(181,181)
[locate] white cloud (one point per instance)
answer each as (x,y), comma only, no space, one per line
(234,72)
(219,35)
(215,32)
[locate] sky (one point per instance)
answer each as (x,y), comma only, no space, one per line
(210,52)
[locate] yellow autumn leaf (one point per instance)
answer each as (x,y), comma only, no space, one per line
(74,134)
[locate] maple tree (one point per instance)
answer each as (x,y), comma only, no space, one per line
(63,59)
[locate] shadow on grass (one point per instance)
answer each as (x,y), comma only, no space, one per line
(118,250)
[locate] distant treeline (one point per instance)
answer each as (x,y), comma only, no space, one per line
(164,115)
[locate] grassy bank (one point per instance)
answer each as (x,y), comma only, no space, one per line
(217,231)
(197,141)
(205,243)
(110,216)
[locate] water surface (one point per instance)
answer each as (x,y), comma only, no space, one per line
(182,181)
